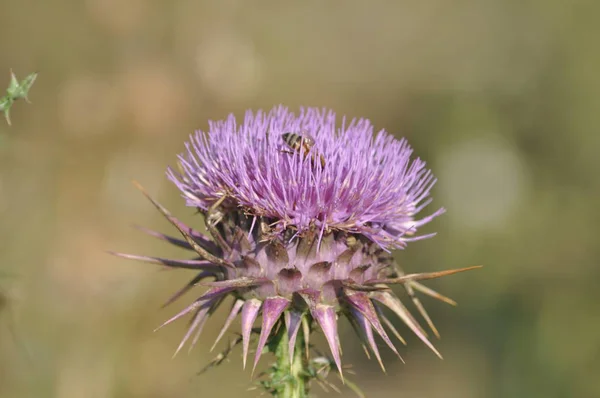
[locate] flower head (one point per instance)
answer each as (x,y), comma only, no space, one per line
(301,215)
(367,183)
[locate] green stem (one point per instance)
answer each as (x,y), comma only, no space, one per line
(289,378)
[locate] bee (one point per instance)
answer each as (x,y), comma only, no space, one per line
(299,143)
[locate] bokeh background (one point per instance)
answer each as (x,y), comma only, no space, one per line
(502,99)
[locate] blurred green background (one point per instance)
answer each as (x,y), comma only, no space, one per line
(502,98)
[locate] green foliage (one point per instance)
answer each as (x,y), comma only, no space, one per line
(287,377)
(293,377)
(16,90)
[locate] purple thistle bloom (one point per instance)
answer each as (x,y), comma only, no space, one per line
(369,185)
(301,217)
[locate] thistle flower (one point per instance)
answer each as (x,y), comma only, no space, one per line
(301,216)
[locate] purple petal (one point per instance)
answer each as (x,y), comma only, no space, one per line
(311,296)
(432,293)
(188,286)
(210,294)
(235,309)
(420,308)
(364,288)
(240,241)
(271,311)
(185,264)
(249,314)
(201,239)
(277,254)
(367,333)
(363,304)
(327,319)
(212,217)
(185,231)
(357,329)
(318,274)
(289,280)
(265,289)
(357,274)
(174,241)
(307,248)
(368,176)
(351,256)
(293,319)
(215,304)
(399,309)
(389,324)
(330,292)
(421,276)
(250,267)
(237,283)
(197,322)
(306,334)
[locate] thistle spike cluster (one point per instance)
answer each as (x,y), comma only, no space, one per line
(299,242)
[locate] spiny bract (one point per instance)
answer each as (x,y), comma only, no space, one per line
(300,241)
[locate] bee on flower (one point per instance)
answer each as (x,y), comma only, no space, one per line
(303,144)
